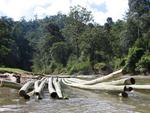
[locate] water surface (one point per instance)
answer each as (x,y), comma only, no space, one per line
(80,101)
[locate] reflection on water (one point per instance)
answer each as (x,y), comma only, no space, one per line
(80,101)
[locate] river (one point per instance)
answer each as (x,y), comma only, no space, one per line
(80,101)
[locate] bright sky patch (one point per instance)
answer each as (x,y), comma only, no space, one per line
(101,9)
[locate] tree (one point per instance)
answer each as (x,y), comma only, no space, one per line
(47,48)
(118,34)
(138,21)
(95,43)
(139,6)
(60,53)
(24,51)
(7,43)
(76,22)
(109,24)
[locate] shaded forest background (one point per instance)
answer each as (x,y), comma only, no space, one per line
(74,43)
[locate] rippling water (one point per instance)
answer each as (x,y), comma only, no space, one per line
(80,101)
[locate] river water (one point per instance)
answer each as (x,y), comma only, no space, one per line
(80,101)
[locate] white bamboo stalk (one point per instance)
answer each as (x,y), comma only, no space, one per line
(57,86)
(140,87)
(86,76)
(36,85)
(125,81)
(51,89)
(104,78)
(39,89)
(76,80)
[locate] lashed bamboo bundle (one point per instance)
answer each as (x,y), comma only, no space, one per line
(98,80)
(125,81)
(105,83)
(98,87)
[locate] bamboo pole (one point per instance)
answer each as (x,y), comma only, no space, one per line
(5,83)
(104,78)
(24,89)
(76,80)
(85,76)
(125,81)
(51,89)
(38,89)
(36,85)
(57,86)
(139,87)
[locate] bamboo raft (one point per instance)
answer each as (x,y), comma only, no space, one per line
(35,87)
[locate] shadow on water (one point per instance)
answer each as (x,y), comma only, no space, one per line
(80,101)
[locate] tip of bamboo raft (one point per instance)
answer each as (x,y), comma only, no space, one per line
(128,88)
(22,93)
(54,95)
(37,93)
(132,80)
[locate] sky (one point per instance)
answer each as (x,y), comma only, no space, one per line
(101,9)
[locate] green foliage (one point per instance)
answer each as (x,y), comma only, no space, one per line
(143,65)
(74,43)
(143,43)
(80,14)
(139,6)
(134,56)
(102,68)
(95,44)
(118,62)
(84,66)
(13,70)
(75,26)
(60,53)
(76,66)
